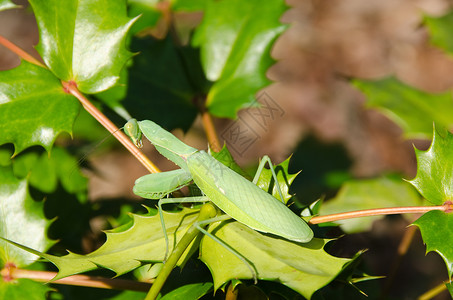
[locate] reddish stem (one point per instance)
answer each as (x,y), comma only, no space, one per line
(78,280)
(71,87)
(378,211)
(20,52)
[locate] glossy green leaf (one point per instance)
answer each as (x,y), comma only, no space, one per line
(284,180)
(189,291)
(44,171)
(235,38)
(83,40)
(23,289)
(163,84)
(127,247)
(368,194)
(148,12)
(22,220)
(435,227)
(7,4)
(34,109)
(412,109)
(440,31)
(304,268)
(434,178)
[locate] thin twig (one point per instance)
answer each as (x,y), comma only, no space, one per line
(433,292)
(77,280)
(232,292)
(20,52)
(376,212)
(210,131)
(71,88)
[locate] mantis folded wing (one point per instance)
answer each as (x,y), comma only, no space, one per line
(237,197)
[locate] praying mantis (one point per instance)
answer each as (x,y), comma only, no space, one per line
(236,196)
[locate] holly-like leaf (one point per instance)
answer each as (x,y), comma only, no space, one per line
(304,268)
(434,178)
(23,289)
(235,38)
(127,247)
(6,4)
(440,31)
(22,220)
(435,227)
(283,177)
(83,40)
(367,194)
(164,71)
(413,110)
(34,109)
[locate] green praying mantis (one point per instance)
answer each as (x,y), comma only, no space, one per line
(236,196)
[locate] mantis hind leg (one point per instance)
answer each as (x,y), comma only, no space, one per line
(264,160)
(200,226)
(161,215)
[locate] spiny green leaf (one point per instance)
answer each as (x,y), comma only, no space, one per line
(141,242)
(34,109)
(435,227)
(304,268)
(412,109)
(165,71)
(83,40)
(284,180)
(22,220)
(440,31)
(368,194)
(23,289)
(434,178)
(235,38)
(6,4)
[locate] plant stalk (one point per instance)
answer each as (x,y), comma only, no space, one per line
(20,52)
(78,280)
(71,88)
(210,131)
(207,211)
(378,211)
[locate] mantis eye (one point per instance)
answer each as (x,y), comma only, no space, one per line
(132,130)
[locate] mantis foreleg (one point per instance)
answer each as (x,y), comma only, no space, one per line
(175,200)
(200,225)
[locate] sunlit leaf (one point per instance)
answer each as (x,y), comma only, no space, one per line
(304,268)
(414,110)
(440,31)
(127,247)
(83,40)
(22,220)
(435,229)
(434,178)
(23,289)
(34,109)
(7,4)
(235,38)
(368,194)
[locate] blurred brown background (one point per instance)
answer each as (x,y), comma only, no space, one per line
(327,42)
